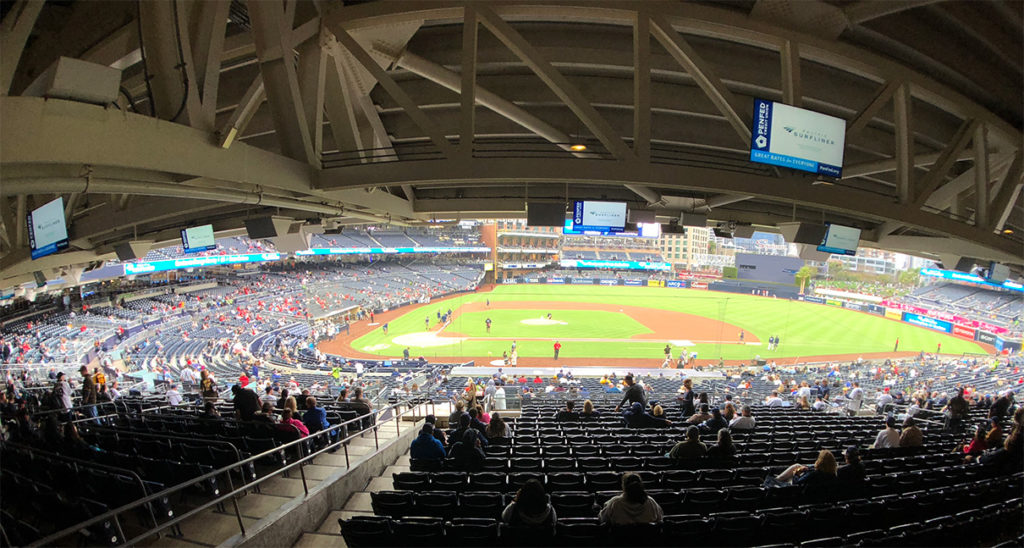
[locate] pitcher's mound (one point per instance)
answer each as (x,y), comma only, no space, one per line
(542,321)
(425,339)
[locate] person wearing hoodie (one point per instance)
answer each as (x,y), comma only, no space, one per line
(636,417)
(530,508)
(715,423)
(426,446)
(633,506)
(467,454)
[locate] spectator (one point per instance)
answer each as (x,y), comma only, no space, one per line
(357,396)
(315,418)
(530,508)
(631,507)
(453,418)
(956,411)
(88,392)
(282,399)
(474,420)
(884,399)
(1009,456)
(743,422)
(268,396)
(728,410)
(497,429)
(691,448)
(823,472)
(290,403)
(773,400)
(1001,407)
(685,398)
(888,437)
(173,396)
(636,417)
(634,394)
(724,449)
(911,436)
(499,397)
(206,385)
(467,454)
(701,416)
(994,438)
(266,414)
(855,399)
(62,390)
(977,444)
(426,446)
(342,396)
(210,411)
(568,414)
(438,433)
(289,422)
(589,411)
(714,424)
(482,414)
(463,426)
(853,471)
(245,401)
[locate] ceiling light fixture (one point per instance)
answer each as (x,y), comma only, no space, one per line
(1007,231)
(578,148)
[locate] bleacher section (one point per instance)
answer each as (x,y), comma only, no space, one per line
(1001,308)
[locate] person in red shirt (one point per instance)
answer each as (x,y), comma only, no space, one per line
(243,380)
(538,380)
(558,346)
(522,379)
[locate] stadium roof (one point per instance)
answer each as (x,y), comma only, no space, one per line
(356,112)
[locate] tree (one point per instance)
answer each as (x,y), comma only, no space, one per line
(805,273)
(910,277)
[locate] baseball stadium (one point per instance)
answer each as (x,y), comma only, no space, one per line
(502,273)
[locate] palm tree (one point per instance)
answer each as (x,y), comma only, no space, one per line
(805,273)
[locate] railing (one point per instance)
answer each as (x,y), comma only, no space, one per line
(395,413)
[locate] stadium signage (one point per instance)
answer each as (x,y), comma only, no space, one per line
(674,283)
(632,282)
(532,281)
(875,309)
(797,138)
(582,281)
(946,316)
(813,299)
(925,321)
(699,285)
(615,265)
(965,332)
(609,282)
(556,280)
(510,281)
(195,262)
(388,250)
(853,306)
(987,338)
(970,278)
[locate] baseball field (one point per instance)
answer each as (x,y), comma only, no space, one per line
(632,325)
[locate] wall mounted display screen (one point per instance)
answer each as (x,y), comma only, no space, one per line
(198,238)
(47,231)
(797,138)
(599,216)
(645,230)
(839,239)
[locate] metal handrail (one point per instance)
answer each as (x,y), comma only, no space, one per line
(300,443)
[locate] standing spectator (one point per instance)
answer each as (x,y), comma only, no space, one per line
(631,507)
(956,411)
(855,399)
(207,386)
(499,397)
(911,436)
(685,399)
(888,437)
(246,402)
(634,394)
(63,392)
(88,392)
(530,508)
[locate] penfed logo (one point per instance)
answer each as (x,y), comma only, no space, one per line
(808,135)
(763,124)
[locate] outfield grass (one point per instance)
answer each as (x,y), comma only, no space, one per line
(805,329)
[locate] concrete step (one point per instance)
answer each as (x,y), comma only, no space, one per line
(287,487)
(257,506)
(321,540)
(330,525)
(359,502)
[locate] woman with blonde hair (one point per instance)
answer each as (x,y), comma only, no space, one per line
(823,472)
(291,404)
(588,410)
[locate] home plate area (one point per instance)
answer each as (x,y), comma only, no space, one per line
(542,321)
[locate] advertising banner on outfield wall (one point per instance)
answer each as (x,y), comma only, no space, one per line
(875,309)
(925,321)
(510,281)
(532,281)
(942,315)
(698,285)
(833,302)
(986,337)
(813,299)
(853,306)
(609,282)
(633,282)
(893,313)
(965,332)
(655,283)
(582,281)
(674,283)
(556,280)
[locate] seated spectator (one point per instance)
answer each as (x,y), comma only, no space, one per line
(636,417)
(773,400)
(690,448)
(823,472)
(438,433)
(728,410)
(357,397)
(463,426)
(802,404)
(342,396)
(631,507)
(482,415)
(700,416)
(567,414)
(884,399)
(245,401)
(819,404)
(911,436)
(724,449)
(994,438)
(210,411)
(977,444)
(460,409)
(889,437)
(269,396)
(497,429)
(530,508)
(266,414)
(915,407)
(282,399)
(743,422)
(714,424)
(1009,457)
(426,446)
(173,396)
(589,411)
(853,471)
(315,418)
(474,419)
(289,422)
(467,454)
